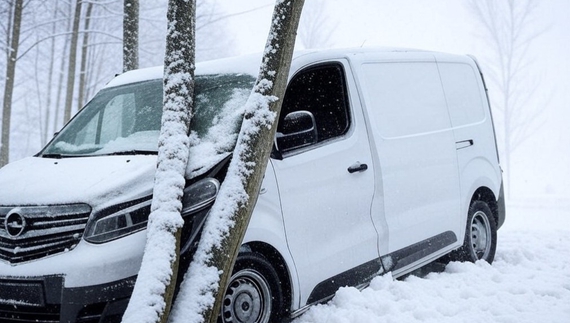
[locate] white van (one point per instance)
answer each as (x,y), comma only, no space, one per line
(384,161)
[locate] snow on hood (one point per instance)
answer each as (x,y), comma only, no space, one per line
(98,181)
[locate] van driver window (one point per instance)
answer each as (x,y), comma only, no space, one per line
(320,90)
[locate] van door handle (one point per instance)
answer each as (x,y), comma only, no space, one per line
(463,144)
(357,167)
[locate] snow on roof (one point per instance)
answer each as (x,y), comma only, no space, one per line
(248,64)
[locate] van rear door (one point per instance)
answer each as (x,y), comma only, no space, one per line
(473,127)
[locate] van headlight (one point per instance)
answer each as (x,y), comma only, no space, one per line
(127,218)
(199,195)
(118,221)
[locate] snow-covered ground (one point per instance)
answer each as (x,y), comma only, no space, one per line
(529,281)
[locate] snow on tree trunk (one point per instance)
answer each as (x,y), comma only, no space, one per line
(204,285)
(152,295)
(131,35)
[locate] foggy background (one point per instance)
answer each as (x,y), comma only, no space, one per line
(539,167)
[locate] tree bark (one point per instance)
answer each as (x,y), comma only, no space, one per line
(72,62)
(84,50)
(220,242)
(154,289)
(9,85)
(60,81)
(131,35)
(46,134)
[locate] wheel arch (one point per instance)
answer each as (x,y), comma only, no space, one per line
(280,266)
(481,179)
(486,195)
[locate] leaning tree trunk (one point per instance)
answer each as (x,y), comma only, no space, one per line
(9,85)
(204,286)
(155,284)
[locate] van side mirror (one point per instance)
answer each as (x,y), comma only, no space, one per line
(299,129)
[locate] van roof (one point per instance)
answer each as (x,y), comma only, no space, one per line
(249,64)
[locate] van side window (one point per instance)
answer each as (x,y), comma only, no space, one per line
(320,90)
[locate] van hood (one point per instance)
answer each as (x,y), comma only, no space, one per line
(98,181)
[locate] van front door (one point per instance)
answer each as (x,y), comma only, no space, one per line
(326,208)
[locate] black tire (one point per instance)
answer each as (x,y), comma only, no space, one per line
(480,241)
(254,294)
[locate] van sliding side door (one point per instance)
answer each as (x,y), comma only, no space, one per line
(417,160)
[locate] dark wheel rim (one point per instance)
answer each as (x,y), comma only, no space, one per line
(480,235)
(247,299)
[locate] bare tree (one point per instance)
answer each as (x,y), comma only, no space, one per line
(60,82)
(205,283)
(9,85)
(49,35)
(48,89)
(212,39)
(72,62)
(315,28)
(84,51)
(131,35)
(154,289)
(507,26)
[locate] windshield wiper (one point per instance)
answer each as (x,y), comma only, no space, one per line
(116,153)
(132,152)
(56,156)
(59,156)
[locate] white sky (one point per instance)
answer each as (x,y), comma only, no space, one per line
(542,165)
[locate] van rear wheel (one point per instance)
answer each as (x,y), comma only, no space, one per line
(254,294)
(480,241)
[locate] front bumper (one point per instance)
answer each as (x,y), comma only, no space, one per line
(90,284)
(45,299)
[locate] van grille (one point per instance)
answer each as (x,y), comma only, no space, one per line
(31,314)
(33,232)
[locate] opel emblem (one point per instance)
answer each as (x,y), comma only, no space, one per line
(15,223)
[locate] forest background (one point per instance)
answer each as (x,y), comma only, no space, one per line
(538,154)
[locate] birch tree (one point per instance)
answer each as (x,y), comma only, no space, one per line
(72,62)
(204,286)
(12,55)
(508,27)
(156,280)
(48,86)
(315,28)
(84,47)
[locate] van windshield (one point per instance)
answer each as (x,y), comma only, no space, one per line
(126,119)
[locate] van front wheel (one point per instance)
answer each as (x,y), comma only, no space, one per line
(254,294)
(480,241)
